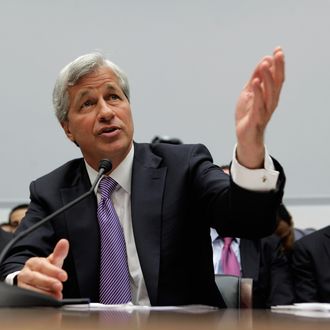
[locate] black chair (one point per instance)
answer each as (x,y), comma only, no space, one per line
(230,289)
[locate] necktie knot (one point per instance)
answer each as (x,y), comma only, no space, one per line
(227,241)
(107,186)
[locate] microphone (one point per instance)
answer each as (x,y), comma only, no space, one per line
(14,296)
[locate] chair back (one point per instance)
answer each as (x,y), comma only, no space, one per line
(230,289)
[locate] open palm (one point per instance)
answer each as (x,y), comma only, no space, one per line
(256,104)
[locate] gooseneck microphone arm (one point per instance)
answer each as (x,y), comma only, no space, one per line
(105,166)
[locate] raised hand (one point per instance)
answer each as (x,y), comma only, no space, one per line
(256,104)
(45,275)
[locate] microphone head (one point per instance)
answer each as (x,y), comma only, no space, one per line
(106,165)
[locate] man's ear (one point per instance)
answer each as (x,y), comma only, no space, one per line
(66,128)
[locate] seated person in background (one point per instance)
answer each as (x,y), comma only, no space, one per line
(5,237)
(311,267)
(166,139)
(299,233)
(16,215)
(6,227)
(285,228)
(263,261)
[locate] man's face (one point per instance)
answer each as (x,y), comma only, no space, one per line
(99,118)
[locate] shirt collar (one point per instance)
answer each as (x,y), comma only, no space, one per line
(214,236)
(122,174)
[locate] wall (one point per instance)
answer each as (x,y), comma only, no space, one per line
(187,62)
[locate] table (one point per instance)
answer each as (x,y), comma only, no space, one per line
(53,318)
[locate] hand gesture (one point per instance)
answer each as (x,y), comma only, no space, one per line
(45,275)
(256,104)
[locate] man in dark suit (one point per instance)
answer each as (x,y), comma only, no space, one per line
(168,196)
(311,267)
(263,261)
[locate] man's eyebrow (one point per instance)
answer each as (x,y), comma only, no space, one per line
(111,87)
(81,95)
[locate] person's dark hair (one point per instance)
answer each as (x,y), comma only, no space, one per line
(166,139)
(17,207)
(285,228)
(284,214)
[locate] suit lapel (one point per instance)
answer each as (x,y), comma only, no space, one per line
(146,197)
(83,233)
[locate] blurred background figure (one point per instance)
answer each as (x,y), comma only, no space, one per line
(166,139)
(285,228)
(262,260)
(16,215)
(5,237)
(311,265)
(225,168)
(6,227)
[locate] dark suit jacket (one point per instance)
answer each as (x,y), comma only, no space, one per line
(5,237)
(311,267)
(177,194)
(264,262)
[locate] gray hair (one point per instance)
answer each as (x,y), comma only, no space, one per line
(75,70)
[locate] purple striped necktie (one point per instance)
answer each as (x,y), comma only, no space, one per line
(229,262)
(114,272)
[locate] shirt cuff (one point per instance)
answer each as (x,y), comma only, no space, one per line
(10,278)
(263,179)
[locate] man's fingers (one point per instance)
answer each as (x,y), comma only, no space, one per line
(256,72)
(271,72)
(269,88)
(44,266)
(57,294)
(258,100)
(39,282)
(45,275)
(279,68)
(60,252)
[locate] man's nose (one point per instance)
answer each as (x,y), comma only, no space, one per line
(105,112)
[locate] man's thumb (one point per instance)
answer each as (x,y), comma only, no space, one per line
(60,252)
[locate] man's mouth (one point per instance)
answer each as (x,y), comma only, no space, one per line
(108,130)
